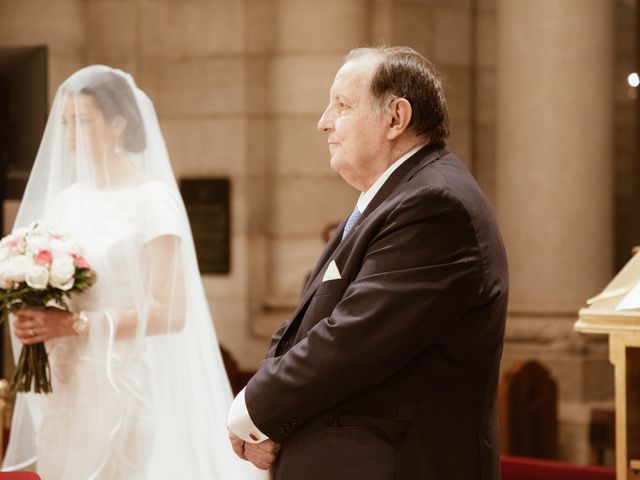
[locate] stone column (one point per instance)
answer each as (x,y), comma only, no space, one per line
(442,31)
(197,60)
(554,192)
(310,41)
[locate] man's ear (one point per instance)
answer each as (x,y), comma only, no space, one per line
(400,115)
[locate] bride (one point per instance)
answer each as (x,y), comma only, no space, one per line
(139,387)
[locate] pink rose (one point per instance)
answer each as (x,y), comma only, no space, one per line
(80,261)
(43,257)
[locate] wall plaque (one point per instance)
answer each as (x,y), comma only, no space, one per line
(207,204)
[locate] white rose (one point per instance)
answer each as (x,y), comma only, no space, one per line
(5,282)
(8,239)
(37,277)
(62,246)
(62,270)
(20,232)
(38,226)
(12,244)
(19,235)
(37,242)
(17,267)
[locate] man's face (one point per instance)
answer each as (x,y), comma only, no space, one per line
(357,136)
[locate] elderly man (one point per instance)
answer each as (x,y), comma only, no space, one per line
(389,366)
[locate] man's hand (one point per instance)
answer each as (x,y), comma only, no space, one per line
(262,455)
(238,445)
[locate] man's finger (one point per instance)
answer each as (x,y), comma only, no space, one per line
(267,446)
(261,455)
(238,446)
(257,453)
(262,464)
(239,450)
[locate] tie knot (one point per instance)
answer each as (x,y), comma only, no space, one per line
(353,219)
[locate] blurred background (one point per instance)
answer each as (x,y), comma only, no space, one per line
(544,111)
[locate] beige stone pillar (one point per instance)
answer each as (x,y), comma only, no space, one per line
(311,39)
(200,64)
(554,192)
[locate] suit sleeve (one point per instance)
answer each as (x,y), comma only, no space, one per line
(420,274)
(275,338)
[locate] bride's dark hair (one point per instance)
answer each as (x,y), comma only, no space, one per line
(114,97)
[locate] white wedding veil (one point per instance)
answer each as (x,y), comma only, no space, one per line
(145,393)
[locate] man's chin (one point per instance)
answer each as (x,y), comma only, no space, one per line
(347,174)
(335,164)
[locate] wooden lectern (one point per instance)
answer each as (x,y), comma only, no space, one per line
(604,316)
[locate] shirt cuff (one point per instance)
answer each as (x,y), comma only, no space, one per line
(239,422)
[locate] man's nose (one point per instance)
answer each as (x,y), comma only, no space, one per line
(325,123)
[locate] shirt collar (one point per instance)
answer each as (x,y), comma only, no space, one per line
(366,197)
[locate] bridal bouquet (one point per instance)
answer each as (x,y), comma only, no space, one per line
(39,267)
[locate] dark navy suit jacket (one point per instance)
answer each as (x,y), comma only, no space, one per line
(391,371)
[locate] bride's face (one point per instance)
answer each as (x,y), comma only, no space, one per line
(83,119)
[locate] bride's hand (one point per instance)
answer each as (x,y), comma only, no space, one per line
(34,325)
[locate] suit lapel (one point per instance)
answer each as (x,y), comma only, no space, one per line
(404,172)
(407,170)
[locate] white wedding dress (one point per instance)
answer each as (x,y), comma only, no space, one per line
(145,394)
(110,436)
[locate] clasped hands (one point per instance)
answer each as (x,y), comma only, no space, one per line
(262,454)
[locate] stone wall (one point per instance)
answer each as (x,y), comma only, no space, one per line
(239,86)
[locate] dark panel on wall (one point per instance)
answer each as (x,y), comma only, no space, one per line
(23,115)
(207,204)
(23,72)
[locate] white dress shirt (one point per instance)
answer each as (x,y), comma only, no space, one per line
(366,197)
(239,422)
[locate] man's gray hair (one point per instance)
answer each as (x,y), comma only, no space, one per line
(404,73)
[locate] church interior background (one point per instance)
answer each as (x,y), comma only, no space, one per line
(543,112)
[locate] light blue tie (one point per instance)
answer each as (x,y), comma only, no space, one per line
(353,219)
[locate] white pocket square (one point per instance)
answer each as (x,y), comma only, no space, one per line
(332,272)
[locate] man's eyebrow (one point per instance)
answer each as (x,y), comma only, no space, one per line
(344,99)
